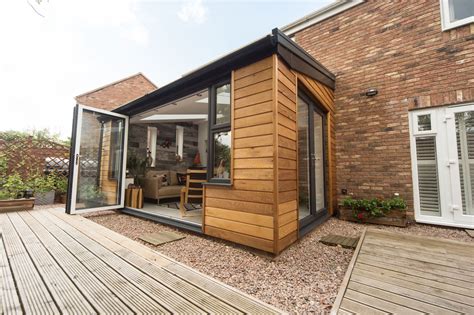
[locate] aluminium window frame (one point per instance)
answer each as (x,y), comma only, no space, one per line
(214,128)
(446,23)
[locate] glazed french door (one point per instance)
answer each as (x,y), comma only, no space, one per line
(311,161)
(97,160)
(442,145)
(460,128)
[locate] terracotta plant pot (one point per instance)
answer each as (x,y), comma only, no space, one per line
(394,217)
(17,204)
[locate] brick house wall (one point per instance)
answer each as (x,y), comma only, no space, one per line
(399,48)
(118,93)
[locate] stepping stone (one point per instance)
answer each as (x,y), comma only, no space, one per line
(160,238)
(344,241)
(470,232)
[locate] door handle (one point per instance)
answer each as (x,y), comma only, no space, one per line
(77,158)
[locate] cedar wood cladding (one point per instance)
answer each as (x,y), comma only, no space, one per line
(260,208)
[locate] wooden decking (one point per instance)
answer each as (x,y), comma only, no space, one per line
(53,263)
(406,274)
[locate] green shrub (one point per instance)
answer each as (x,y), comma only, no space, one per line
(41,184)
(4,195)
(12,186)
(373,207)
(61,184)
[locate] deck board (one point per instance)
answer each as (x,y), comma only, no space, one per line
(32,290)
(188,290)
(51,262)
(405,274)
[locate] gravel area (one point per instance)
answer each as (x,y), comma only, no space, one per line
(304,278)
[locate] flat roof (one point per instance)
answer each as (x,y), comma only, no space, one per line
(220,69)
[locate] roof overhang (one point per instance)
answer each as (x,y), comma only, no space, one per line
(275,43)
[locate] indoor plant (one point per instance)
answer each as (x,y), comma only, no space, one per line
(390,211)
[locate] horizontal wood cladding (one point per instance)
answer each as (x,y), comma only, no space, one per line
(253,110)
(252,142)
(243,206)
(243,217)
(245,212)
(255,242)
(287,181)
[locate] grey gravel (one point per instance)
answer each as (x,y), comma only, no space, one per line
(305,278)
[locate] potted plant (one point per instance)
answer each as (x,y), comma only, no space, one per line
(12,189)
(377,211)
(61,189)
(136,167)
(43,187)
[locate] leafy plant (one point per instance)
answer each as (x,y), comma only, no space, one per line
(61,184)
(13,185)
(363,208)
(42,184)
(136,166)
(4,195)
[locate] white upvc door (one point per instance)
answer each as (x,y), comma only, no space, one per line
(442,150)
(97,163)
(460,137)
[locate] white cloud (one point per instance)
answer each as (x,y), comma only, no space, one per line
(193,11)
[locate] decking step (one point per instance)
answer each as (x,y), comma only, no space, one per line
(344,241)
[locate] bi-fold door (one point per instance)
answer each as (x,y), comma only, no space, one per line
(97,161)
(442,146)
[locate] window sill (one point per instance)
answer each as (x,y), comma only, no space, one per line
(453,25)
(218,184)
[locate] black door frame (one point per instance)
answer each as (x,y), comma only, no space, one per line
(317,216)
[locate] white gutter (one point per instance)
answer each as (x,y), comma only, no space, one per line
(320,15)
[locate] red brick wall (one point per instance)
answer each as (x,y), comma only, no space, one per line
(399,48)
(117,94)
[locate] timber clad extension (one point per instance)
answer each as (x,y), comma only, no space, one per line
(244,213)
(257,204)
(260,208)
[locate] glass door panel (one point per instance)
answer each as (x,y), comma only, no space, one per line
(98,162)
(303,160)
(465,150)
(311,162)
(318,160)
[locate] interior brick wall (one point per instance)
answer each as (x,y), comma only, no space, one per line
(399,48)
(165,158)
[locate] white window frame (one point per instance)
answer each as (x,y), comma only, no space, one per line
(446,23)
(433,119)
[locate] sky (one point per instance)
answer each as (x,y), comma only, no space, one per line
(53,51)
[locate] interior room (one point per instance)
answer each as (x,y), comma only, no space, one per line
(168,146)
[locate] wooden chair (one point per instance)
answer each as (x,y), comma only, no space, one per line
(192,192)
